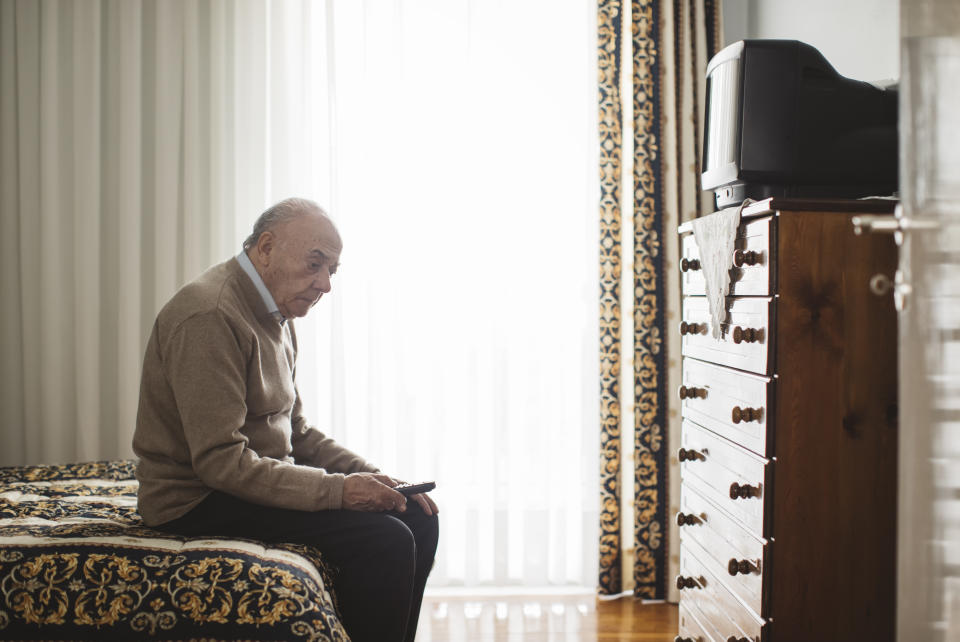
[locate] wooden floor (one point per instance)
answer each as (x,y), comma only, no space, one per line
(561,618)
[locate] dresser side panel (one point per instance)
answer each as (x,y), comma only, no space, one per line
(835,473)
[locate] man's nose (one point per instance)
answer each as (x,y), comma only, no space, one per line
(322,282)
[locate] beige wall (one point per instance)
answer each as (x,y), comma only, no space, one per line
(860,38)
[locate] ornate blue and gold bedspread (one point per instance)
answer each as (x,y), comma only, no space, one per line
(76,563)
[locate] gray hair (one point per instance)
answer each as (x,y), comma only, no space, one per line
(285,210)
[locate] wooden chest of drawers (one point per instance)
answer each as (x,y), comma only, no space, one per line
(789,441)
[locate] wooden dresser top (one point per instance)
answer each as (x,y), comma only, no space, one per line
(779,204)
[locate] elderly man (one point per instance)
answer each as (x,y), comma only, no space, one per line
(225,449)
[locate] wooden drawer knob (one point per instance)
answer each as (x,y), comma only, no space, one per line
(741,258)
(745,567)
(690,455)
(734,638)
(688,265)
(686,583)
(743,492)
(746,414)
(692,393)
(685,519)
(746,335)
(692,328)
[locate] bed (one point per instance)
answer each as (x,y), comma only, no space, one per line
(76,563)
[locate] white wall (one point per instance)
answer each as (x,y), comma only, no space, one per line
(736,18)
(860,38)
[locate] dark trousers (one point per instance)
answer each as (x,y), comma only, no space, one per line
(381,559)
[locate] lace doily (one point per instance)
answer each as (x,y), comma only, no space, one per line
(715,236)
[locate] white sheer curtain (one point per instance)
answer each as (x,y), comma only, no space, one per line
(454,144)
(464,345)
(113,192)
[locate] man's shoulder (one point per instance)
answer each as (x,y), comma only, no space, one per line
(213,294)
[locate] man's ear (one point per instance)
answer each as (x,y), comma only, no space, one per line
(265,246)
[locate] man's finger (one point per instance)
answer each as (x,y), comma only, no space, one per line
(386,480)
(422,500)
(426,503)
(397,501)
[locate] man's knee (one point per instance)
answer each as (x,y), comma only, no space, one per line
(397,535)
(430,533)
(382,554)
(392,543)
(426,528)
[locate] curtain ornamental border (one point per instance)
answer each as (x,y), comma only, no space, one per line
(609,19)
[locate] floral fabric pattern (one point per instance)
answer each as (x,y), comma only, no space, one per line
(610,24)
(668,43)
(76,563)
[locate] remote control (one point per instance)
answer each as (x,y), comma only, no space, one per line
(413,489)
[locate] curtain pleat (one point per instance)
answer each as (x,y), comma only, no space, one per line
(13,59)
(125,318)
(249,137)
(165,208)
(220,161)
(57,402)
(671,43)
(713,27)
(195,229)
(26,127)
(84,122)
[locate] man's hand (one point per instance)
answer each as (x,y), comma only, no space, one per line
(426,503)
(372,492)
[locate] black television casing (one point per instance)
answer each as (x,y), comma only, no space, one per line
(801,129)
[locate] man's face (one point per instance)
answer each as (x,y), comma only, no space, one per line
(298,258)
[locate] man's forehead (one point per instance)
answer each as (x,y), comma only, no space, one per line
(314,234)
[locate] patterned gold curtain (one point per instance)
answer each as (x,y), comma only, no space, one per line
(670,42)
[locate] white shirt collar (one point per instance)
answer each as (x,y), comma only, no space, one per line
(251,271)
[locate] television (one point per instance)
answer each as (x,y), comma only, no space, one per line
(780,121)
